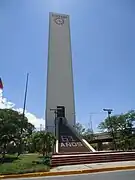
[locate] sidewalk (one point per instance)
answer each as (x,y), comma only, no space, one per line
(77,169)
(92,166)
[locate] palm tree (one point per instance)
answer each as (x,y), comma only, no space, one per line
(44,142)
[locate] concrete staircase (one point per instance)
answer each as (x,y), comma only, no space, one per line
(60,160)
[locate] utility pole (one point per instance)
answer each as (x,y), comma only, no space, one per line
(55,116)
(109,111)
(90,122)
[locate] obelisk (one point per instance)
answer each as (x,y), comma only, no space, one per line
(60,88)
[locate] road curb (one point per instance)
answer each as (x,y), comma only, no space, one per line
(40,174)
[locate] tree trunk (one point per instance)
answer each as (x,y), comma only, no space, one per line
(3,153)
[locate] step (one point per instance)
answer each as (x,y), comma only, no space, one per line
(80,153)
(88,162)
(94,156)
(91,153)
(93,159)
(84,159)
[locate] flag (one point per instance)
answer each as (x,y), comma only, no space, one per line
(1,84)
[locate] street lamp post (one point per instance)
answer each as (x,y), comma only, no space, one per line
(58,112)
(55,116)
(109,111)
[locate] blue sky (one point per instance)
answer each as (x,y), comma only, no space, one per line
(103,46)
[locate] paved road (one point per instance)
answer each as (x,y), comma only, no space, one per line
(117,175)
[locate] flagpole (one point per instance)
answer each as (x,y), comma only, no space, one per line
(25,95)
(23,114)
(1,88)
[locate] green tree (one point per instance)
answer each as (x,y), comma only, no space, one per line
(14,129)
(120,128)
(43,142)
(127,139)
(80,128)
(88,134)
(110,125)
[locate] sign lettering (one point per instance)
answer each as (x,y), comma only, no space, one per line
(64,138)
(68,145)
(71,138)
(72,144)
(59,19)
(67,139)
(62,145)
(59,16)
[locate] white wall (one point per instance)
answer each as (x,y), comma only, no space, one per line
(60,91)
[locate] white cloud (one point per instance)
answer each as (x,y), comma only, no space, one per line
(5,104)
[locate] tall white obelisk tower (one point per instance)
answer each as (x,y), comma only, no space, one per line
(60,90)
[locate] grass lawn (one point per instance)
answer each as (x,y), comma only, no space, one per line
(22,164)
